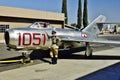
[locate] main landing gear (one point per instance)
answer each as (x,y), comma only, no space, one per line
(89,50)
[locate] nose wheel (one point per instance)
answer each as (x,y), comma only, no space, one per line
(26,58)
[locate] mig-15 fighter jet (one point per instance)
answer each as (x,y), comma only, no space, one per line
(36,36)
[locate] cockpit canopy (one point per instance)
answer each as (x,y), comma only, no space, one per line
(40,25)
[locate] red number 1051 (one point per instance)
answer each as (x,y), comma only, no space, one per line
(35,39)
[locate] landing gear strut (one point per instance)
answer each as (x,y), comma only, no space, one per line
(26,58)
(89,50)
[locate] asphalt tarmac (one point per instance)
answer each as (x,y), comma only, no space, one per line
(105,59)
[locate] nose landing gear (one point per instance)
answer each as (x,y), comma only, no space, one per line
(26,58)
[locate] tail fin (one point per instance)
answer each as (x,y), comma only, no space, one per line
(94,28)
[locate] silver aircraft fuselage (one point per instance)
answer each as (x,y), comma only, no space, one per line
(32,38)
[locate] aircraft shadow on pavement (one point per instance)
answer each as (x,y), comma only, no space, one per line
(108,73)
(66,54)
(69,54)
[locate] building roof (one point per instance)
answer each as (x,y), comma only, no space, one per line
(29,13)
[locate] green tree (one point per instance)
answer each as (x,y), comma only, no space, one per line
(79,15)
(64,10)
(85,14)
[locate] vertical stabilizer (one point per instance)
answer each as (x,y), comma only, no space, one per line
(94,28)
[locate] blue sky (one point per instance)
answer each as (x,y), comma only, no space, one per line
(109,8)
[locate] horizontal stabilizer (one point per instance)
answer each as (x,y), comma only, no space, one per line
(98,40)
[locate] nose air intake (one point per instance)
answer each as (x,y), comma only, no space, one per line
(7,37)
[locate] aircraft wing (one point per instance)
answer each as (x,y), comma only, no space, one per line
(108,23)
(98,40)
